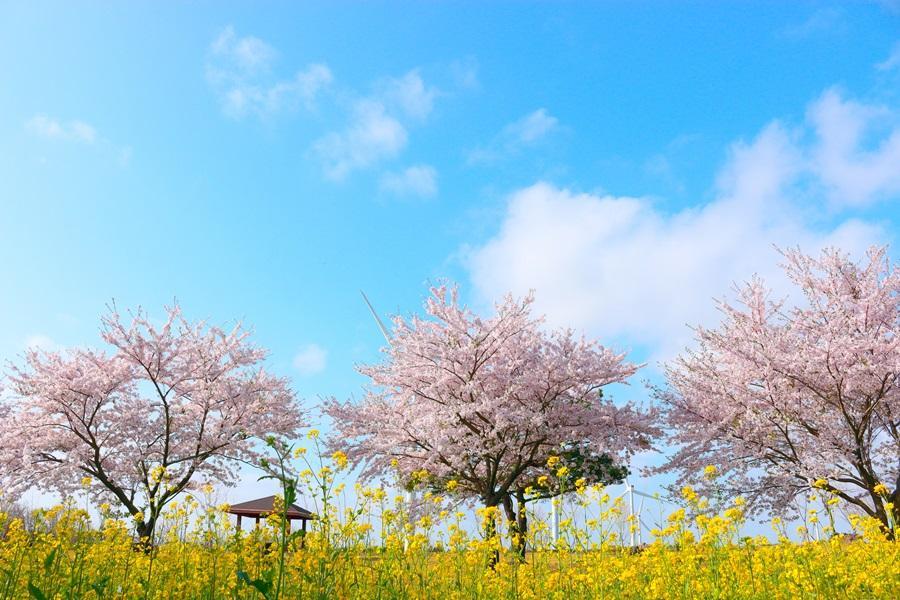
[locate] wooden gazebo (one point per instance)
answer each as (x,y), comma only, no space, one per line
(262,507)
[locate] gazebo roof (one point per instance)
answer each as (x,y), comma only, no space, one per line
(263,506)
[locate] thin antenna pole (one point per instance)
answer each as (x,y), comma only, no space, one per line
(384,331)
(555,507)
(630,491)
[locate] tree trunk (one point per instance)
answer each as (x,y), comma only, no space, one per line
(522,519)
(145,531)
(515,532)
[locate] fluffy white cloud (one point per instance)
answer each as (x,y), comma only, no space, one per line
(47,127)
(857,154)
(239,71)
(311,359)
(518,135)
(621,268)
(418,180)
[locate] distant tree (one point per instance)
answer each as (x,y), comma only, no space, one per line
(485,402)
(170,404)
(782,399)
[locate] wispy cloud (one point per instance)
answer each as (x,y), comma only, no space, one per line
(892,62)
(310,360)
(465,74)
(239,70)
(48,127)
(409,93)
(823,21)
(526,132)
(416,181)
(371,136)
(76,131)
(377,126)
(39,341)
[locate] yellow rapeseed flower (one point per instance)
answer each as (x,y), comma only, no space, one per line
(340,459)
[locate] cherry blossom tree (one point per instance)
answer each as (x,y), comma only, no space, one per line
(169,404)
(784,398)
(480,404)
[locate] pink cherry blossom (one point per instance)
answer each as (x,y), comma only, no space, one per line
(781,398)
(486,401)
(168,405)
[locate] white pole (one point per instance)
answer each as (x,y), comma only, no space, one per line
(410,498)
(384,331)
(554,504)
(629,489)
(638,523)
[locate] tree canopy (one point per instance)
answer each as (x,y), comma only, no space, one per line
(485,402)
(784,398)
(169,404)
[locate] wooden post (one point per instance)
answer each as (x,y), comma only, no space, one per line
(303,534)
(239,522)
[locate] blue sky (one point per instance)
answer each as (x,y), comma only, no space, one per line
(629,161)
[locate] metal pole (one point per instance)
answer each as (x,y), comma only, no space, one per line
(384,331)
(555,506)
(630,491)
(638,523)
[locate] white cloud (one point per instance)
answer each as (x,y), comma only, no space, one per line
(239,71)
(515,137)
(47,127)
(418,180)
(372,135)
(822,21)
(410,94)
(248,53)
(377,125)
(311,359)
(465,73)
(857,152)
(533,127)
(620,268)
(892,61)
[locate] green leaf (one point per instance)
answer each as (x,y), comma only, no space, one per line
(260,585)
(48,560)
(100,586)
(36,592)
(290,494)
